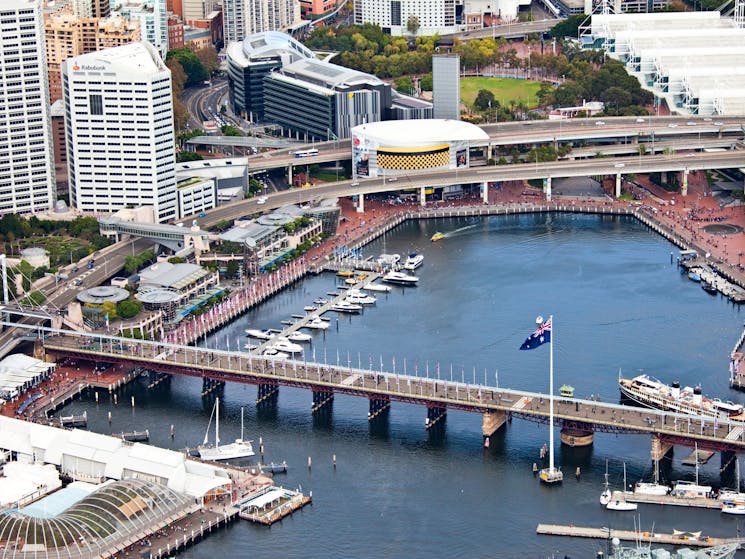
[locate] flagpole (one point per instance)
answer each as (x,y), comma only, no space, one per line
(551,398)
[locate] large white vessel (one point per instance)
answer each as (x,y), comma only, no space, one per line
(317,323)
(280,343)
(653,393)
(231,451)
(400,278)
(259,334)
(377,287)
(347,307)
(413,261)
(356,297)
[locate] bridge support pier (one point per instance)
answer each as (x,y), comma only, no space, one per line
(378,407)
(266,392)
(321,399)
(727,461)
(547,188)
(154,379)
(660,449)
(289,174)
(684,183)
(575,433)
(618,185)
(361,203)
(422,197)
(434,416)
(485,192)
(211,385)
(491,422)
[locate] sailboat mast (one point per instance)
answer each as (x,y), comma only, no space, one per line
(241,423)
(551,398)
(695,454)
(217,422)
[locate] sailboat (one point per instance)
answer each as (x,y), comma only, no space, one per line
(654,488)
(231,451)
(621,504)
(733,502)
(606,495)
(690,490)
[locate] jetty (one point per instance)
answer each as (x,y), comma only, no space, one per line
(604,533)
(272,505)
(698,502)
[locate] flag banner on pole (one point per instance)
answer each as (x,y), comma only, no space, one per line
(541,336)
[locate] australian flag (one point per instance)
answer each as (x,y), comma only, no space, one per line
(541,336)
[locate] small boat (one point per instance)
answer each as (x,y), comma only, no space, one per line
(317,324)
(299,337)
(606,495)
(733,507)
(320,301)
(280,343)
(694,276)
(400,278)
(388,259)
(345,273)
(287,322)
(437,236)
(259,334)
(377,287)
(310,308)
(567,391)
(413,261)
(733,501)
(621,504)
(274,352)
(346,307)
(654,488)
(350,281)
(358,298)
(238,449)
(710,288)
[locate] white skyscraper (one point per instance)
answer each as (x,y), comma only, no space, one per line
(26,170)
(120,132)
(242,18)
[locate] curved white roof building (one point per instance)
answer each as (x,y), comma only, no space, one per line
(692,60)
(397,146)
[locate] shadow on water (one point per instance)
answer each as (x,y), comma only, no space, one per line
(573,457)
(267,412)
(323,419)
(437,434)
(380,427)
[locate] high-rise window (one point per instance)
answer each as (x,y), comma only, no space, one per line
(96,104)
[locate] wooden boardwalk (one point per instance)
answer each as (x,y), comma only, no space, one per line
(628,535)
(699,502)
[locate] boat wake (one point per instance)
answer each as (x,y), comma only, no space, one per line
(460,231)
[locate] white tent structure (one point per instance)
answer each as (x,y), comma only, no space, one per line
(695,61)
(91,457)
(19,372)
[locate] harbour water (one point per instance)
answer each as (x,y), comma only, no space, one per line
(398,491)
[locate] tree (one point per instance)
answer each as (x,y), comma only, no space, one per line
(193,68)
(232,269)
(108,308)
(209,59)
(569,27)
(485,100)
(425,83)
(178,76)
(228,130)
(184,156)
(412,24)
(129,308)
(404,85)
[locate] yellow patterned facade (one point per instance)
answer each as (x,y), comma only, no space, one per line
(413,158)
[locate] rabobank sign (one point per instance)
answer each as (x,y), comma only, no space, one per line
(89,67)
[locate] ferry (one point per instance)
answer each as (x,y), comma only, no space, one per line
(437,236)
(652,393)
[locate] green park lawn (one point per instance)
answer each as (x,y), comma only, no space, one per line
(504,89)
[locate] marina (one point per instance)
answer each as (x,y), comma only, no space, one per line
(682,538)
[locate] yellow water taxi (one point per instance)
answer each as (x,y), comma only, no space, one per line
(345,273)
(437,236)
(567,391)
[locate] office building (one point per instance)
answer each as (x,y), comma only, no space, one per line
(242,18)
(26,169)
(120,133)
(250,61)
(91,9)
(446,86)
(153,20)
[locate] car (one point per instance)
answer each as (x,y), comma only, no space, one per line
(690,123)
(690,154)
(261,200)
(672,125)
(355,183)
(640,120)
(599,123)
(75,269)
(202,214)
(718,124)
(619,165)
(708,119)
(392,179)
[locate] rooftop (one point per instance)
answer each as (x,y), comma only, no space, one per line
(176,276)
(268,45)
(139,58)
(99,295)
(327,75)
(419,132)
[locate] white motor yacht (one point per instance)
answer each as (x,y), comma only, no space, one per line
(400,278)
(280,343)
(413,261)
(377,287)
(358,298)
(346,307)
(299,337)
(273,352)
(259,334)
(317,324)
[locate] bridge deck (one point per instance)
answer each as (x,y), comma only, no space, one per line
(674,428)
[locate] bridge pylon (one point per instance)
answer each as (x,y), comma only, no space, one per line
(379,407)
(321,399)
(210,385)
(576,433)
(660,449)
(267,393)
(435,415)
